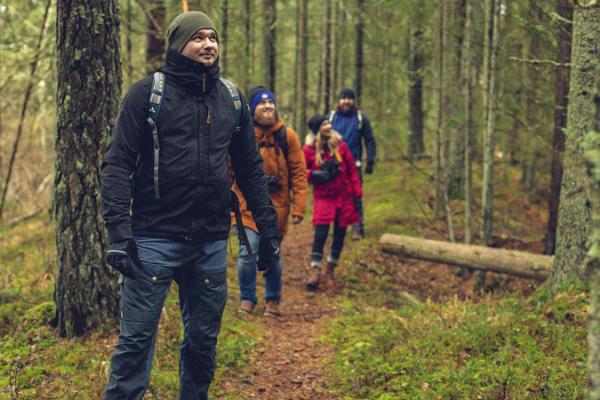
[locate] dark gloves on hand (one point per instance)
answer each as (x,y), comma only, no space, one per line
(331,166)
(123,256)
(369,168)
(268,253)
(273,183)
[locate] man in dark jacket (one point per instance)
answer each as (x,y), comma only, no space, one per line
(354,126)
(166,202)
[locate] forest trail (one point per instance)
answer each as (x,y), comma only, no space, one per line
(288,362)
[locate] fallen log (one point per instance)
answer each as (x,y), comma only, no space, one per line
(510,262)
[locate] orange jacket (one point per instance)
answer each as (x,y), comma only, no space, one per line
(291,175)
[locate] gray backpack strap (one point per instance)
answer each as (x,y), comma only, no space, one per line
(359,115)
(156,98)
(237,102)
(331,115)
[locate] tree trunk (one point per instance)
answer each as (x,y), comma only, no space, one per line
(327,61)
(155,38)
(468,109)
(490,134)
(269,44)
(89,89)
(360,34)
(574,216)
(336,49)
(416,64)
(564,8)
(223,42)
(511,262)
(247,45)
(592,155)
(303,84)
(440,188)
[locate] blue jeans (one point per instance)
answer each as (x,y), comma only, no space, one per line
(200,271)
(246,268)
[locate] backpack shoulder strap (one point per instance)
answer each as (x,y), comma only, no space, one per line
(359,115)
(281,140)
(331,115)
(157,93)
(237,102)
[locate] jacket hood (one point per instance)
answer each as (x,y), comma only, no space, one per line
(191,75)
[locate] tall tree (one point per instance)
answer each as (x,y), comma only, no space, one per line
(574,214)
(327,60)
(564,9)
(360,38)
(89,88)
(440,182)
(592,155)
(468,110)
(223,45)
(155,39)
(416,64)
(303,66)
(247,59)
(492,15)
(269,44)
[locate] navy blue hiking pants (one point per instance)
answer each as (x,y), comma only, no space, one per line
(200,271)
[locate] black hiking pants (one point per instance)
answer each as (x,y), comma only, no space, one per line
(199,270)
(321,233)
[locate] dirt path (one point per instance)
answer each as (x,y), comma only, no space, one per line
(288,363)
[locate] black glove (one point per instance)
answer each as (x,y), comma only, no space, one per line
(332,167)
(273,183)
(268,253)
(123,256)
(369,168)
(320,176)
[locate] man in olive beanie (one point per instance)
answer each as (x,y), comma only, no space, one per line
(166,203)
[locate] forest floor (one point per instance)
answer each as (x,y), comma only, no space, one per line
(394,329)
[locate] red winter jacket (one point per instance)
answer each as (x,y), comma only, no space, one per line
(334,198)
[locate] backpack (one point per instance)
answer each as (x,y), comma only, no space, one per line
(280,142)
(156,97)
(359,115)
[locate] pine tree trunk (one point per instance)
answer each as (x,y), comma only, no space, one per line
(327,61)
(269,47)
(335,50)
(416,64)
(561,92)
(223,35)
(303,85)
(574,216)
(89,82)
(155,42)
(247,18)
(490,134)
(360,34)
(468,109)
(440,188)
(592,155)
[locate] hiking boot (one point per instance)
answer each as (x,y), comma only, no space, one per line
(246,307)
(272,309)
(357,235)
(312,283)
(329,272)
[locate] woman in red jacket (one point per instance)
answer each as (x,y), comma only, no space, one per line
(336,184)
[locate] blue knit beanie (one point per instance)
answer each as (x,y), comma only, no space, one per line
(258,94)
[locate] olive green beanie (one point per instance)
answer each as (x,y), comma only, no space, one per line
(184,26)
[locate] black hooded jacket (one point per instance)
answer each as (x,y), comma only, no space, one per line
(196,129)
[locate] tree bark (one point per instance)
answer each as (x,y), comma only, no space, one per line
(269,44)
(89,89)
(223,42)
(247,18)
(490,134)
(468,109)
(511,262)
(303,84)
(592,155)
(440,187)
(360,34)
(564,8)
(327,61)
(574,220)
(416,64)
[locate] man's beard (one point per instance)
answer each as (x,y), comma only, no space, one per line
(266,119)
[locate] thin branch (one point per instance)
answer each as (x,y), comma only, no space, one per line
(541,62)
